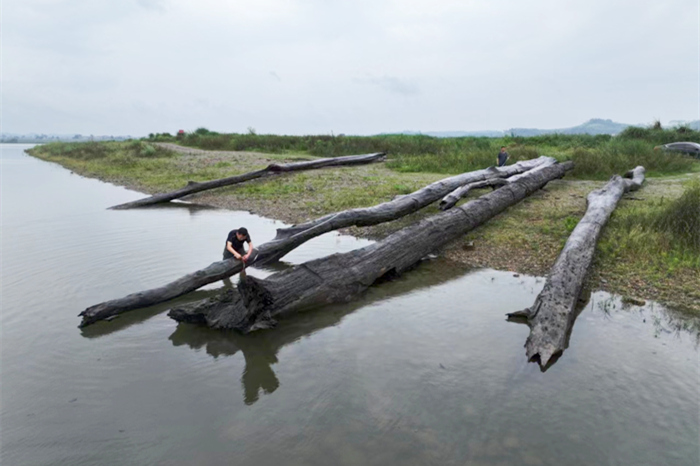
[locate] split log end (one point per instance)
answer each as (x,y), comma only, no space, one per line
(445,205)
(519,316)
(545,355)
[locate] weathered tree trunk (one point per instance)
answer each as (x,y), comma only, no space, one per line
(552,315)
(289,238)
(410,203)
(270,170)
(453,198)
(339,278)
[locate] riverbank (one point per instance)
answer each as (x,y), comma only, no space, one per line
(525,239)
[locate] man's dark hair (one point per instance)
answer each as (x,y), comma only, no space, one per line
(503,147)
(243,231)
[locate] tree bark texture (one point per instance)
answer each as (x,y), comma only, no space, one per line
(454,197)
(552,315)
(270,170)
(289,238)
(413,202)
(256,303)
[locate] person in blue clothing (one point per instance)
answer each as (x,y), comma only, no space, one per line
(502,157)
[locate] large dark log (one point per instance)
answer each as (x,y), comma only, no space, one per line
(289,238)
(270,170)
(261,349)
(257,303)
(552,315)
(454,197)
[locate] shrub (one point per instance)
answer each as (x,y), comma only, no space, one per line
(681,218)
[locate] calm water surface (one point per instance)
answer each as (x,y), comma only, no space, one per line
(423,370)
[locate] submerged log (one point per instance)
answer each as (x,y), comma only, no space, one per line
(271,170)
(289,238)
(454,197)
(552,315)
(256,303)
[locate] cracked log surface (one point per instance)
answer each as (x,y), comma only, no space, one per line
(410,203)
(289,238)
(552,315)
(256,303)
(454,197)
(270,170)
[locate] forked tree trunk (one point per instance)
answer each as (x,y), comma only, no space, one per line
(454,197)
(270,170)
(257,303)
(289,238)
(410,203)
(552,315)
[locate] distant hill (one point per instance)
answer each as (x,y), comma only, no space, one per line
(593,126)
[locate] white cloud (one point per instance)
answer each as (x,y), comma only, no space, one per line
(309,66)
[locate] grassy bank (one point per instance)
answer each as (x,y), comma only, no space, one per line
(649,250)
(596,157)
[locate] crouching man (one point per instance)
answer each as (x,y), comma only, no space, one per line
(234,245)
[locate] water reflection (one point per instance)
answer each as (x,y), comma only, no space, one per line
(260,348)
(666,321)
(192,207)
(138,316)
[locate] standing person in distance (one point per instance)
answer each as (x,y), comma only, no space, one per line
(502,157)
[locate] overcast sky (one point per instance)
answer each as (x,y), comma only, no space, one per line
(353,67)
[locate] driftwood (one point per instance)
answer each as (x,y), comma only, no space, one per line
(454,197)
(552,315)
(256,303)
(271,170)
(410,203)
(289,238)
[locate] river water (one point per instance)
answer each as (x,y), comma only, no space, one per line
(421,370)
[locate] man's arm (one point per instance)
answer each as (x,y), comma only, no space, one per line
(229,246)
(250,250)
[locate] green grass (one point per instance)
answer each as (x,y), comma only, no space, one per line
(665,233)
(649,249)
(652,249)
(596,157)
(137,162)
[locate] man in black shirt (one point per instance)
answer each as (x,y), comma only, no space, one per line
(234,245)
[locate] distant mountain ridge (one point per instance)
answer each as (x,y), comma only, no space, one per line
(592,126)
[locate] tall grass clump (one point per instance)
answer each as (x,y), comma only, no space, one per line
(665,232)
(681,218)
(655,134)
(619,155)
(117,154)
(77,150)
